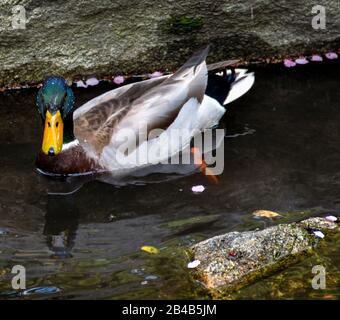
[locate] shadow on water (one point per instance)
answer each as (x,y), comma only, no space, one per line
(282,153)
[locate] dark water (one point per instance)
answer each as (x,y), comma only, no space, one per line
(282,153)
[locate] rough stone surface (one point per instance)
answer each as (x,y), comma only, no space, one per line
(235,259)
(105,37)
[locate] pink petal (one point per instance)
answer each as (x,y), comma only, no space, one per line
(301,60)
(331,55)
(198,189)
(119,80)
(319,234)
(289,63)
(331,218)
(193,264)
(316,57)
(92,81)
(156,74)
(81,84)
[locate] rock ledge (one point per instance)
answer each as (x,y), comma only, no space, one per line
(235,259)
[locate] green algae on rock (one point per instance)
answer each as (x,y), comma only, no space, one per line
(183,24)
(236,259)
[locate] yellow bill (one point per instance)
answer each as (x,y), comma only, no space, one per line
(53,134)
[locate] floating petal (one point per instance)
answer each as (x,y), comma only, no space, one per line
(331,218)
(289,63)
(319,234)
(92,81)
(331,55)
(316,58)
(118,80)
(198,189)
(194,264)
(156,74)
(301,60)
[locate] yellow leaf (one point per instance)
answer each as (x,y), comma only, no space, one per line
(150,249)
(266,214)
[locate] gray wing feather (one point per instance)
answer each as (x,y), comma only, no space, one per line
(155,102)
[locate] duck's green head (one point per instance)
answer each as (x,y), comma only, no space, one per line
(55,100)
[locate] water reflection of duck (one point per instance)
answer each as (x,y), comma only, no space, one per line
(87,140)
(61,224)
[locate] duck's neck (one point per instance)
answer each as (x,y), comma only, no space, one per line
(68,129)
(71,160)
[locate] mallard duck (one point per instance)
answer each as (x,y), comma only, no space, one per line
(89,139)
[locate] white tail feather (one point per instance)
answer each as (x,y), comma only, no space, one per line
(242,84)
(193,118)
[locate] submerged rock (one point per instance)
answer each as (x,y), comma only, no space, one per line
(255,253)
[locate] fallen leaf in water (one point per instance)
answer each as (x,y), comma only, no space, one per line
(194,264)
(150,249)
(266,214)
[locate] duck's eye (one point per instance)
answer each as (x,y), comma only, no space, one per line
(49,124)
(57,124)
